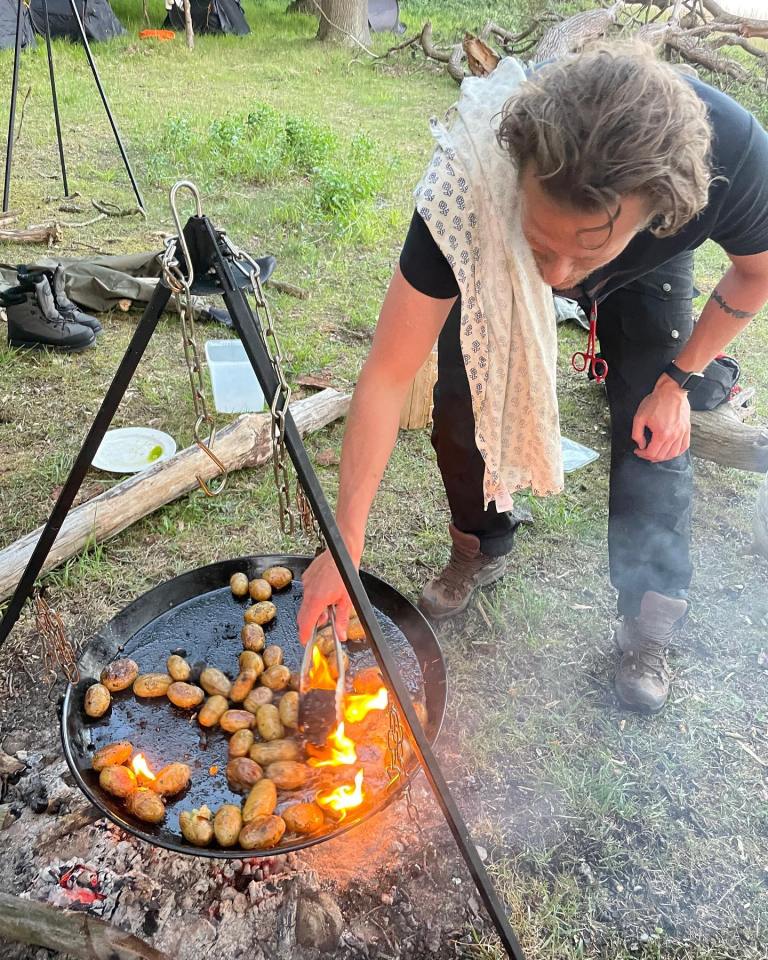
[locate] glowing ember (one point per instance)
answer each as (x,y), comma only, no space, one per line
(343,798)
(357,706)
(141,769)
(340,751)
(320,676)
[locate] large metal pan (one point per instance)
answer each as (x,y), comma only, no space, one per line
(197,614)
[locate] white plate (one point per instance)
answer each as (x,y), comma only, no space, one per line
(131,449)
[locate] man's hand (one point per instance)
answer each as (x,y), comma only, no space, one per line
(666,413)
(323,588)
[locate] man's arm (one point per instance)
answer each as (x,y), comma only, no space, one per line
(408,326)
(741,293)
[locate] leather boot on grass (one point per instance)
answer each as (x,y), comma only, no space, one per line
(33,320)
(642,679)
(450,592)
(66,308)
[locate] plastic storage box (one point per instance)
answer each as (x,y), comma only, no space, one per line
(235,387)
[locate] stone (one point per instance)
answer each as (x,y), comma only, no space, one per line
(228,893)
(240,903)
(318,922)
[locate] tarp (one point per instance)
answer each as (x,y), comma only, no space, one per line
(210,16)
(98,18)
(8,12)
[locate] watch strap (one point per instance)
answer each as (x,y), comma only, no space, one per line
(684,379)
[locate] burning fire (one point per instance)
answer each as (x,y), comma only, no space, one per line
(357,706)
(341,751)
(141,769)
(320,675)
(343,798)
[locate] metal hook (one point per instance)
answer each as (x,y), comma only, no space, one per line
(209,491)
(185,185)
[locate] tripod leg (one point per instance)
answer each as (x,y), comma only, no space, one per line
(99,427)
(55,99)
(12,111)
(100,88)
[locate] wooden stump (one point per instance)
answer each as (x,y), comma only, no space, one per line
(417,409)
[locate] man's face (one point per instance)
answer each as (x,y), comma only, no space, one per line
(566,251)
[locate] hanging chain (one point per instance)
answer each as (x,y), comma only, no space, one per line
(308,519)
(58,652)
(396,762)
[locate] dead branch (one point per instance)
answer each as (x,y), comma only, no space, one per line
(572,34)
(400,46)
(749,23)
(47,233)
(8,217)
(429,48)
(720,436)
(454,67)
(288,288)
(481,58)
(23,111)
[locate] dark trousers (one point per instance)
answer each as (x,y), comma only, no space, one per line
(641,328)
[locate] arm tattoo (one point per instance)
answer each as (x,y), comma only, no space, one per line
(738,314)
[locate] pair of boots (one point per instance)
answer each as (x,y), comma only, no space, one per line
(643,675)
(41,315)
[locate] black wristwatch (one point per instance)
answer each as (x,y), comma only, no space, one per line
(686,381)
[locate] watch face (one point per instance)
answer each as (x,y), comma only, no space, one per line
(691,380)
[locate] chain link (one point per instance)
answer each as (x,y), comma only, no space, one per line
(308,519)
(396,761)
(58,652)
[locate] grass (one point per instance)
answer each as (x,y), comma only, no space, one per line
(610,835)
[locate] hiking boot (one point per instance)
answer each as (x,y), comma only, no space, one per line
(33,320)
(66,308)
(643,675)
(450,592)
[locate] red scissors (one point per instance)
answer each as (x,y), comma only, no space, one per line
(588,359)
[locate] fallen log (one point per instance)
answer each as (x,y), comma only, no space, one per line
(75,934)
(720,435)
(244,443)
(47,233)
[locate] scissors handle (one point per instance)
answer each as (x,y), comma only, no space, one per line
(579,362)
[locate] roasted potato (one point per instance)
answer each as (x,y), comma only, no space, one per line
(113,754)
(212,710)
(214,682)
(332,664)
(185,695)
(234,720)
(178,667)
(119,781)
(272,656)
(243,773)
(303,818)
(261,612)
(146,805)
(250,660)
(261,801)
(243,685)
(262,833)
(227,825)
(287,774)
(268,722)
(240,743)
(369,680)
(119,675)
(197,826)
(259,590)
(257,698)
(277,677)
(355,629)
(252,636)
(172,779)
(274,750)
(238,584)
(294,681)
(97,700)
(278,577)
(152,685)
(288,709)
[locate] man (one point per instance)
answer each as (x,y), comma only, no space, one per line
(622,166)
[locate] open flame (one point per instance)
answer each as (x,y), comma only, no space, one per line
(357,706)
(320,676)
(141,769)
(339,751)
(343,798)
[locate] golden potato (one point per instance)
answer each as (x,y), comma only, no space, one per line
(172,779)
(178,667)
(259,590)
(268,722)
(97,700)
(369,680)
(152,685)
(287,774)
(332,665)
(278,577)
(250,660)
(294,681)
(261,612)
(119,781)
(277,677)
(355,629)
(119,675)
(272,656)
(261,801)
(274,750)
(238,584)
(215,682)
(197,826)
(243,685)
(243,773)
(113,754)
(325,643)
(185,695)
(303,818)
(240,743)
(212,711)
(146,805)
(253,637)
(234,720)
(288,709)
(227,825)
(257,698)
(262,833)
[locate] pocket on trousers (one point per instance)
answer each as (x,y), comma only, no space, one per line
(657,309)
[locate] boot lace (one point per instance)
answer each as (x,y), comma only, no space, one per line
(651,658)
(459,570)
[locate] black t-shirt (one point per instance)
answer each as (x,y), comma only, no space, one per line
(736,216)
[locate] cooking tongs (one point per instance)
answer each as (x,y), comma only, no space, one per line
(321,711)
